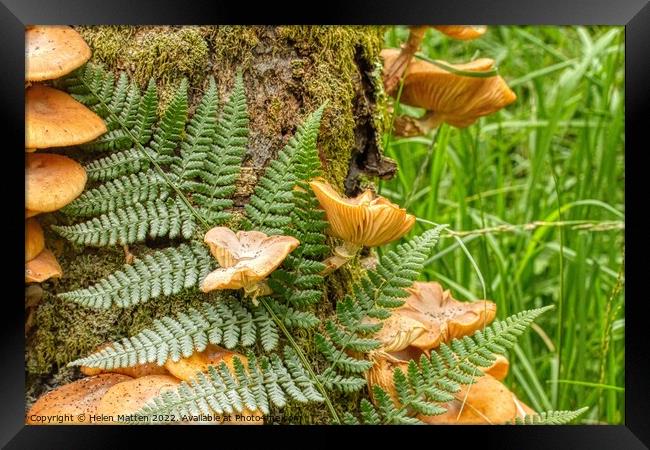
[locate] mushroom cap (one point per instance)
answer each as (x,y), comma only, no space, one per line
(462,32)
(54,119)
(30,150)
(34,239)
(365,220)
(52,181)
(454,99)
(43,267)
(137,371)
(440,317)
(488,402)
(246,257)
(499,368)
(31,213)
(130,396)
(187,368)
(79,397)
(53,51)
(381,373)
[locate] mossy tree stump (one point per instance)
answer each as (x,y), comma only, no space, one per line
(288,72)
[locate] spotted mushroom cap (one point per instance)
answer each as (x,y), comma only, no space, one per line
(486,402)
(187,368)
(462,32)
(52,51)
(34,239)
(246,257)
(52,181)
(130,396)
(454,99)
(54,119)
(43,267)
(440,315)
(74,399)
(366,220)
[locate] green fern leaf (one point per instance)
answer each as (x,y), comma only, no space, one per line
(164,272)
(550,417)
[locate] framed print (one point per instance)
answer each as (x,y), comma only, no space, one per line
(375,216)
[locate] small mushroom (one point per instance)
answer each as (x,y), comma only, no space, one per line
(34,239)
(137,371)
(366,220)
(54,119)
(213,355)
(52,181)
(73,402)
(43,267)
(130,396)
(462,32)
(53,51)
(458,100)
(246,258)
(485,402)
(441,317)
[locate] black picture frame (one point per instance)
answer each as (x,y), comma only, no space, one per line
(634,14)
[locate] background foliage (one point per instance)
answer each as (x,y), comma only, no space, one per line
(555,155)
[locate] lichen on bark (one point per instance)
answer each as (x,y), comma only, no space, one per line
(288,72)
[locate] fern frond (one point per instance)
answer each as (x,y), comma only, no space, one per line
(213,154)
(271,204)
(258,385)
(550,417)
(164,272)
(381,289)
(119,193)
(159,218)
(427,385)
(171,126)
(225,323)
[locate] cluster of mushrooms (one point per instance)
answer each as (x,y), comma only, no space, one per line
(53,119)
(456,94)
(429,317)
(116,395)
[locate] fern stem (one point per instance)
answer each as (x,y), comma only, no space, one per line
(150,158)
(303,359)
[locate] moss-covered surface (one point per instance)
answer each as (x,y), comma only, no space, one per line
(288,73)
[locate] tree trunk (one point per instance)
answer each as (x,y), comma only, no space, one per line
(288,73)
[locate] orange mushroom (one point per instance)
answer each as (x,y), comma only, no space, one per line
(55,119)
(449,97)
(34,239)
(213,355)
(366,220)
(52,181)
(440,317)
(246,258)
(462,32)
(53,51)
(43,267)
(485,402)
(73,402)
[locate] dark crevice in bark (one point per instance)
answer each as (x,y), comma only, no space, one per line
(366,157)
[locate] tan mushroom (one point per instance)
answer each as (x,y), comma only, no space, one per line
(73,402)
(52,181)
(486,402)
(499,368)
(31,213)
(52,51)
(34,239)
(366,220)
(437,314)
(213,355)
(246,258)
(55,119)
(129,397)
(458,100)
(137,371)
(462,32)
(43,267)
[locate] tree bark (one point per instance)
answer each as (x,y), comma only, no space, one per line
(288,73)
